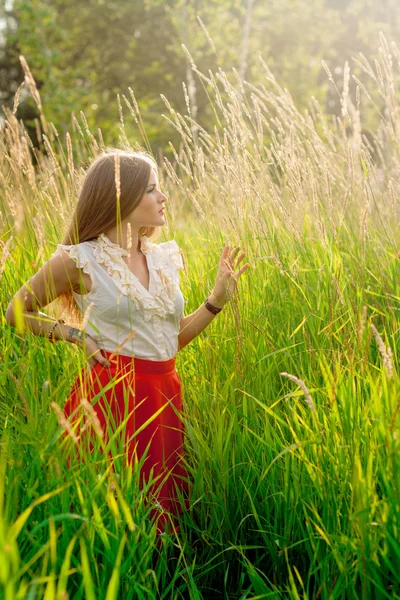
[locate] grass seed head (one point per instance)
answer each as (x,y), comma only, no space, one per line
(63,421)
(386,353)
(303,387)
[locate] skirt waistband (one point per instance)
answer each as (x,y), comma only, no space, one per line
(141,365)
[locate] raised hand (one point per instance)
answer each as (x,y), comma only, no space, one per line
(227,278)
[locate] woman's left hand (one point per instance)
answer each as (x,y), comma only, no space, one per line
(227,278)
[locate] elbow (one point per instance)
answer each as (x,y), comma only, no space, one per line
(10,314)
(180,344)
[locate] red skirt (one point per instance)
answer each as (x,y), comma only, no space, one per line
(149,395)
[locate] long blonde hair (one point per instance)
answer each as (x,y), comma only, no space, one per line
(97,210)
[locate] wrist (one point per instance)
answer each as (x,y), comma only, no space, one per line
(215,301)
(74,335)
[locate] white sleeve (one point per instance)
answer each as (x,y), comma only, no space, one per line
(80,255)
(174,261)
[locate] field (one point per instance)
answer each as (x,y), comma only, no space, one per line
(292,392)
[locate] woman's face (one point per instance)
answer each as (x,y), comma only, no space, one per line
(148,214)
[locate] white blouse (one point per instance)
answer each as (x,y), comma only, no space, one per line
(121,304)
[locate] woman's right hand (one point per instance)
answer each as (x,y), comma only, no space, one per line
(93,352)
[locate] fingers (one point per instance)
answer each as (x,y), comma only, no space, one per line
(229,258)
(103,360)
(104,363)
(227,253)
(244,268)
(231,272)
(227,263)
(99,358)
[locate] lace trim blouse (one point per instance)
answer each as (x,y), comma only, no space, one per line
(120,304)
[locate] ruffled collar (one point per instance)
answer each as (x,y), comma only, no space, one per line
(145,244)
(160,298)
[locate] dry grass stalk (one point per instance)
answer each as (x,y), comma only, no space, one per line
(76,124)
(16,98)
(20,393)
(363,321)
(186,95)
(303,387)
(393,422)
(121,118)
(92,417)
(339,291)
(364,230)
(385,352)
(86,315)
(345,95)
(31,82)
(118,182)
(89,133)
(63,421)
(70,154)
(122,344)
(101,141)
(129,237)
(208,37)
(52,156)
(5,254)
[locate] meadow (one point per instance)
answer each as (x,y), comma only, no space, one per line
(292,392)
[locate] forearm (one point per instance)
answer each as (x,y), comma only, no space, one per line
(39,324)
(196,322)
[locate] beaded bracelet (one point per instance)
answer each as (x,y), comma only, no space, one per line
(50,334)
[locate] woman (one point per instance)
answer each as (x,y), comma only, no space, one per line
(127,288)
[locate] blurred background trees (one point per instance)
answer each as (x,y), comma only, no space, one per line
(83,53)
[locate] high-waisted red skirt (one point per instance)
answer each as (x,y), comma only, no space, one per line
(149,395)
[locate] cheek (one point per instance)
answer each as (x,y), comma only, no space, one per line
(146,202)
(146,205)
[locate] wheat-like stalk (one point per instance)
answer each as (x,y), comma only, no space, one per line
(385,352)
(63,421)
(92,417)
(303,387)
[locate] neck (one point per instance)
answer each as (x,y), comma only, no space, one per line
(120,236)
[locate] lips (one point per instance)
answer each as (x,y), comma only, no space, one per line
(162,210)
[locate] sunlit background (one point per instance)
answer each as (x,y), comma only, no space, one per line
(83,54)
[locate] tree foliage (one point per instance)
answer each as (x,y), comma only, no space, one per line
(83,54)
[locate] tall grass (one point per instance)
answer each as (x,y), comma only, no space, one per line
(291,394)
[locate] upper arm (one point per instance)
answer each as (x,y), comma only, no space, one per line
(57,276)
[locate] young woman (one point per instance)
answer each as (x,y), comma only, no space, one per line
(126,288)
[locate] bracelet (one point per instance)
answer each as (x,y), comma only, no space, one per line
(50,334)
(213,309)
